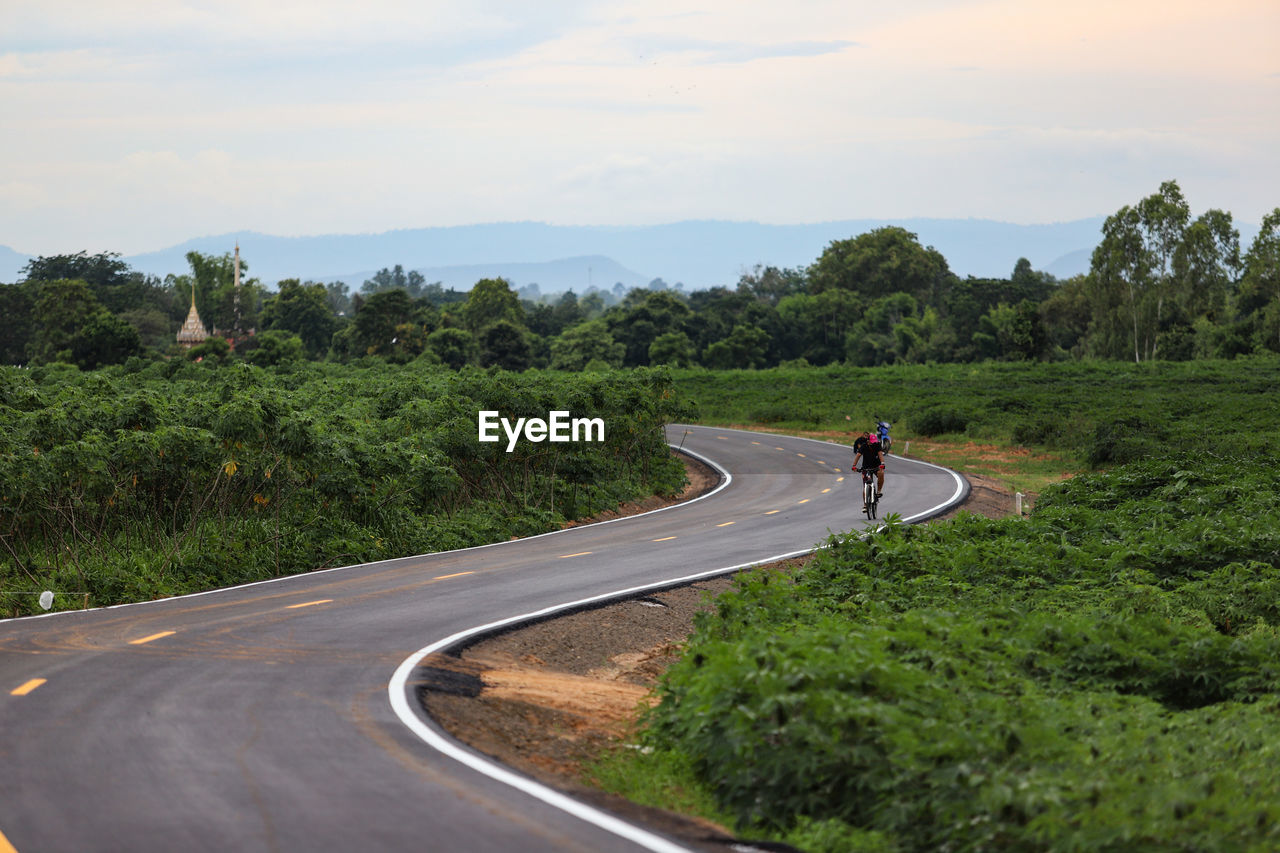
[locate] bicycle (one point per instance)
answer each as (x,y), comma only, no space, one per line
(869,497)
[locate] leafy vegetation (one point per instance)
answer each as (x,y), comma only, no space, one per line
(154,479)
(1103,675)
(1162,285)
(1101,413)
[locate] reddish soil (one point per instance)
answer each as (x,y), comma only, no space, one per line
(550,698)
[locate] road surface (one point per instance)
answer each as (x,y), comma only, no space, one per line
(281,715)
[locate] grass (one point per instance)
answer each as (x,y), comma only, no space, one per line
(1133,619)
(667,782)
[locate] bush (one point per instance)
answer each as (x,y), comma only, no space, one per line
(1125,439)
(1102,675)
(209,476)
(938,421)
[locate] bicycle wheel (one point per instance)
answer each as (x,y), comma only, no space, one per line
(874,501)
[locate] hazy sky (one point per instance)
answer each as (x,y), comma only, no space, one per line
(130,126)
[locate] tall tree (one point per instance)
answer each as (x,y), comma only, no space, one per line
(875,339)
(770,284)
(673,348)
(1163,218)
(881,262)
(339,297)
(505,344)
(1012,333)
(1158,274)
(16,305)
(453,346)
(1065,316)
(1260,285)
(579,346)
(121,290)
(567,312)
(386,279)
(746,346)
(389,323)
(642,317)
(61,312)
(303,310)
(815,326)
(1120,282)
(104,339)
(219,304)
(1206,266)
(97,271)
(490,301)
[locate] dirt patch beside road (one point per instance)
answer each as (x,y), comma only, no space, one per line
(547,699)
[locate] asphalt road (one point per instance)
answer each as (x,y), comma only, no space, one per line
(280,715)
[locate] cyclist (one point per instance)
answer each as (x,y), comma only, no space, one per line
(869,457)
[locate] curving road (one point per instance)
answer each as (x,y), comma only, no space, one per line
(280,715)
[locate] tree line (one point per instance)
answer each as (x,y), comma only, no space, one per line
(1161,285)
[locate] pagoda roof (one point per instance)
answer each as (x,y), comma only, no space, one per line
(192,331)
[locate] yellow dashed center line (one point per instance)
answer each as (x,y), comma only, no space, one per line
(755,442)
(579,554)
(777,448)
(142,640)
(802,456)
(664,539)
(723,437)
(23,691)
(805,501)
(454,575)
(309,603)
(839,479)
(5,846)
(773,511)
(824,491)
(726,524)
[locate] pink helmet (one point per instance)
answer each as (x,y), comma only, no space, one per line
(874,439)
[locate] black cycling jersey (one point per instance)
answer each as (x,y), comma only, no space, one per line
(871,456)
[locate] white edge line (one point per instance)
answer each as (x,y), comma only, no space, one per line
(727,479)
(961,483)
(399,695)
(398,688)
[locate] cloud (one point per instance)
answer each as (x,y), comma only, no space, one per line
(308,117)
(614,174)
(706,52)
(239,38)
(12,67)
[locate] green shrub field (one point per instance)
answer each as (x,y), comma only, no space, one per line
(1107,412)
(158,478)
(1101,675)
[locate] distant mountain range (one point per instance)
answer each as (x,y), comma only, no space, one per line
(698,254)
